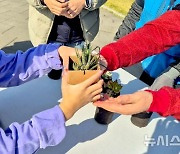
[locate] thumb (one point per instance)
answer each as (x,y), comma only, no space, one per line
(65,77)
(93,79)
(62,1)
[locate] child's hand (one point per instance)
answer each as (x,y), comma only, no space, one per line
(64,53)
(76,96)
(74,8)
(56,7)
(127,104)
(103,63)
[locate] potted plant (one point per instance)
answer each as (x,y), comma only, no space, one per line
(83,65)
(112,89)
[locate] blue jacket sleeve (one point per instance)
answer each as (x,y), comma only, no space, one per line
(46,128)
(15,69)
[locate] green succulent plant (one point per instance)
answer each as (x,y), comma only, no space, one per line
(112,88)
(86,60)
(107,76)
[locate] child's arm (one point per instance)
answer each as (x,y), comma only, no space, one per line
(44,129)
(15,69)
(164,101)
(153,38)
(48,127)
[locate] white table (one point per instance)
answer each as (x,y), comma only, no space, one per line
(84,135)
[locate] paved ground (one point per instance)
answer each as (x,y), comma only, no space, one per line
(14,27)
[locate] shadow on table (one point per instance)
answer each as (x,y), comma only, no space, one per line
(166,137)
(77,133)
(133,86)
(130,87)
(24,45)
(20,103)
(153,116)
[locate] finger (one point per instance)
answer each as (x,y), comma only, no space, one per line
(97,92)
(66,62)
(64,78)
(60,5)
(122,99)
(71,51)
(59,11)
(96,86)
(56,12)
(105,97)
(61,1)
(97,97)
(67,15)
(65,53)
(115,107)
(107,105)
(71,13)
(110,105)
(125,99)
(93,79)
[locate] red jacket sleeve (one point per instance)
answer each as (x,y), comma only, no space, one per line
(166,102)
(153,38)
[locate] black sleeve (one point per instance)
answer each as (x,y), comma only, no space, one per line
(177,7)
(128,24)
(140,3)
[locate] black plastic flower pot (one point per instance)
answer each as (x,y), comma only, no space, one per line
(103,116)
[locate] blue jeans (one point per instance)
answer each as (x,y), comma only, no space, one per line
(78,45)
